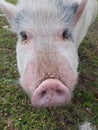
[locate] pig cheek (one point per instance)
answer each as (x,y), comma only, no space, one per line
(24,54)
(28,78)
(72,80)
(67,74)
(68,66)
(68,77)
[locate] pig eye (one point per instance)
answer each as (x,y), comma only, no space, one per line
(65,34)
(24,36)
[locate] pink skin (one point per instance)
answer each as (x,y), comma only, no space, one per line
(50,92)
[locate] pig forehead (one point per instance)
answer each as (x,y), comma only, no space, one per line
(35,9)
(72,1)
(47,3)
(26,19)
(25,3)
(54,12)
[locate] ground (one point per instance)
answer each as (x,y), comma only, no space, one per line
(16,111)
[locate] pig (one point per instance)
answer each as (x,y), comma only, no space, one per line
(49,34)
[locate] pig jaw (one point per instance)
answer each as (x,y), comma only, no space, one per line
(50,92)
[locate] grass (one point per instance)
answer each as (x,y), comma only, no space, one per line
(16,112)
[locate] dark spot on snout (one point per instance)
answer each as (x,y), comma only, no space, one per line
(59,92)
(43,93)
(50,99)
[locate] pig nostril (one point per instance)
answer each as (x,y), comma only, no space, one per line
(59,92)
(43,93)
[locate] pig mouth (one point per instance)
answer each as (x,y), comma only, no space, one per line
(51,92)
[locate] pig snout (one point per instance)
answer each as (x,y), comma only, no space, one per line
(51,92)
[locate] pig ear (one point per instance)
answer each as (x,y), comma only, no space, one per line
(8,9)
(79,11)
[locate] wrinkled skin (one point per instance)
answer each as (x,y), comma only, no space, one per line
(49,34)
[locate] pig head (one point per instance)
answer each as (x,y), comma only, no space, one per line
(49,33)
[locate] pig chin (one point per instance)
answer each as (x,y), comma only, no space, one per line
(50,90)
